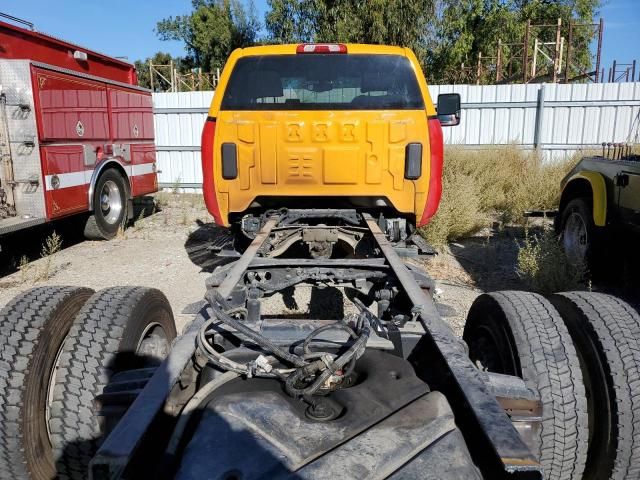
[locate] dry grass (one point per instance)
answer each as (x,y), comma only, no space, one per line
(25,268)
(42,272)
(460,212)
(502,182)
(162,198)
(543,266)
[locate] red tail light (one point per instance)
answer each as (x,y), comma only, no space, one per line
(208,160)
(321,48)
(435,171)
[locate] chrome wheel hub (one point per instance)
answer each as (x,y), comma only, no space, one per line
(110,202)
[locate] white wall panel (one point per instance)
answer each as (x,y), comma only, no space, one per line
(574,117)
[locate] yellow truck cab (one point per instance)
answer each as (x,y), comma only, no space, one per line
(324,126)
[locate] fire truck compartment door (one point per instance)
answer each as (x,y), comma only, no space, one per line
(71,109)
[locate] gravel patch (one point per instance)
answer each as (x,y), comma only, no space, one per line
(151,253)
(164,250)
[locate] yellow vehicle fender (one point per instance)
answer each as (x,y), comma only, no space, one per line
(599,191)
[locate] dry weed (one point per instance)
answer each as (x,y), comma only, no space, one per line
(460,213)
(162,199)
(25,267)
(503,181)
(51,246)
(543,265)
(176,185)
(137,224)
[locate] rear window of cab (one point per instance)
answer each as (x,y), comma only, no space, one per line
(323,82)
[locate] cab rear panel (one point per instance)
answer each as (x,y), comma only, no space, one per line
(285,125)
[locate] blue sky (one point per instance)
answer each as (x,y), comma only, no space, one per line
(126,28)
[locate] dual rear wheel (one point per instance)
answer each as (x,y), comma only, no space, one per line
(581,352)
(61,348)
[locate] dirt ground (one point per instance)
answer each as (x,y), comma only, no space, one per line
(150,253)
(166,248)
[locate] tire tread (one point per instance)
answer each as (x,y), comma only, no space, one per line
(92,345)
(615,327)
(549,363)
(22,322)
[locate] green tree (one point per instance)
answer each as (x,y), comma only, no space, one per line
(289,21)
(212,31)
(444,34)
(390,22)
(466,28)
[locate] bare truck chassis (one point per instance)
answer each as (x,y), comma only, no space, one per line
(497,415)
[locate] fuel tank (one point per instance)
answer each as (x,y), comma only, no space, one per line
(390,426)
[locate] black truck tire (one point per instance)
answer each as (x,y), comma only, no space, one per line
(109,207)
(606,333)
(521,333)
(33,327)
(108,336)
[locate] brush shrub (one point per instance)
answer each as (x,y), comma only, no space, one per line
(543,266)
(499,182)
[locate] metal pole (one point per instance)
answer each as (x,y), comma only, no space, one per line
(525,54)
(613,75)
(478,69)
(539,114)
(599,50)
(633,71)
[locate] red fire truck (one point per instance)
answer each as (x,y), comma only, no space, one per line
(76,134)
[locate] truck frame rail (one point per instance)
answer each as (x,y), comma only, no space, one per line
(495,439)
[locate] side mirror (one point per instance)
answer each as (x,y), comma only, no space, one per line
(449,109)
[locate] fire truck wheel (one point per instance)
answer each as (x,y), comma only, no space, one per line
(521,333)
(606,332)
(33,327)
(118,329)
(109,207)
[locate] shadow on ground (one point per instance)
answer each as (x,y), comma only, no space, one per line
(203,244)
(26,245)
(491,262)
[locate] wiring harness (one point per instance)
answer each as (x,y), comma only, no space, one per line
(303,375)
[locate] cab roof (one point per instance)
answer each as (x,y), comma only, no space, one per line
(290,49)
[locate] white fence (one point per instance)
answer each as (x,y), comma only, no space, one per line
(178,119)
(557,119)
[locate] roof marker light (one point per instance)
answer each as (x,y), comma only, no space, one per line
(321,48)
(81,56)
